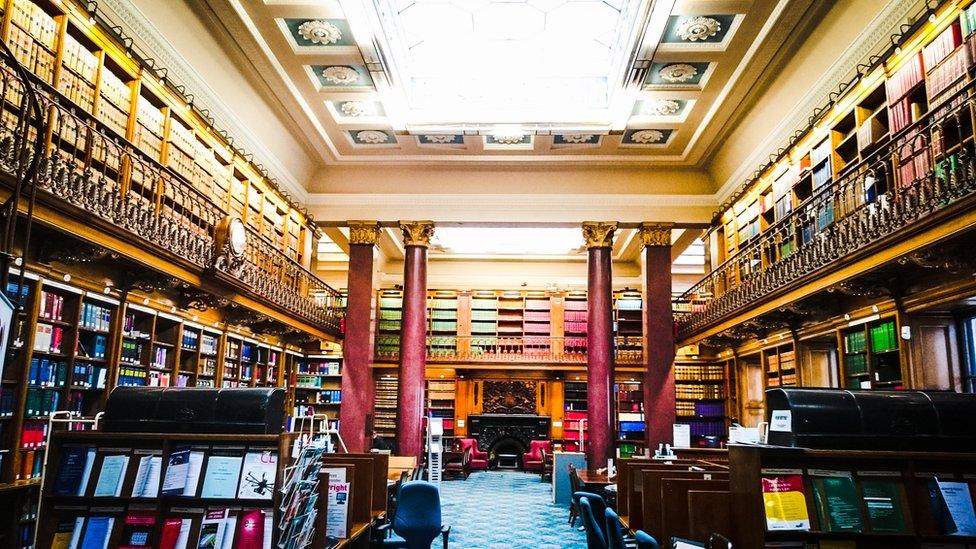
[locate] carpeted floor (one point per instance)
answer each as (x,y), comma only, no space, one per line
(496,510)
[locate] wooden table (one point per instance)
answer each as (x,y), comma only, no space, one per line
(594,479)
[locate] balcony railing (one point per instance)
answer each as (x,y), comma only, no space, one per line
(105,176)
(914,178)
(628,350)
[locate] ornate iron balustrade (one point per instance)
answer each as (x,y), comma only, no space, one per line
(923,170)
(86,167)
(628,350)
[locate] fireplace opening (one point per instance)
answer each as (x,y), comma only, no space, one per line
(506,453)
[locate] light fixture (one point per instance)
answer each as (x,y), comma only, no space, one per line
(847,316)
(19,261)
(107,290)
(145,301)
(874,308)
(194,317)
(66,277)
(172,309)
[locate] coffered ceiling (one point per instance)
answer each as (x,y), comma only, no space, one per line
(493,81)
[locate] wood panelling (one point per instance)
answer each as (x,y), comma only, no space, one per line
(934,352)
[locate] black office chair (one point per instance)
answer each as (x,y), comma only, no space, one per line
(718,541)
(617,539)
(596,538)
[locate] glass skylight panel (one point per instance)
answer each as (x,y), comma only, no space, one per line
(488,61)
(508,241)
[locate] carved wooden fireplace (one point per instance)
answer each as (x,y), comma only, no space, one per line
(509,421)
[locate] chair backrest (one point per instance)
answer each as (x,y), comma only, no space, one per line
(595,537)
(574,480)
(615,530)
(645,540)
(536,447)
(418,515)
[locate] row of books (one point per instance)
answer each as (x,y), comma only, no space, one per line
(710,391)
(31,465)
(224,473)
(45,372)
(715,428)
(41,402)
(132,327)
(131,352)
(159,357)
(319,368)
(883,337)
(33,434)
(696,372)
(864,502)
(190,340)
(942,45)
(48,338)
(215,528)
(903,113)
(131,376)
(904,79)
(158,379)
(116,92)
(78,91)
(89,375)
(7,399)
(96,317)
(208,344)
(941,78)
(93,346)
(51,306)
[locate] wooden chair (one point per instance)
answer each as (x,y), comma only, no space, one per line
(546,466)
(459,466)
(574,486)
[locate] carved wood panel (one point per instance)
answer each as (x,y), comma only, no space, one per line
(509,397)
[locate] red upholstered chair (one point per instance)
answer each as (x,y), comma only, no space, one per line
(532,460)
(479,459)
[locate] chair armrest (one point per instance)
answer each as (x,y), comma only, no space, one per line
(446,532)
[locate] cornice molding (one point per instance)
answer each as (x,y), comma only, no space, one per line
(136,25)
(562,200)
(874,38)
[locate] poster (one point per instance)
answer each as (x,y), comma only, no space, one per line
(784,501)
(338,510)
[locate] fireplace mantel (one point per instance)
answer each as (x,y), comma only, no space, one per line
(489,429)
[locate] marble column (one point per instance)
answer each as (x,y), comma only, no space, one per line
(599,344)
(413,338)
(659,413)
(357,346)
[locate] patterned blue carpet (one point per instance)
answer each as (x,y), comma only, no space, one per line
(496,510)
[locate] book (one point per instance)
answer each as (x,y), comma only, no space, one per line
(146,484)
(67,531)
(885,505)
(177,469)
(212,529)
(258,475)
(193,473)
(220,480)
(74,471)
(784,500)
(250,530)
(176,533)
(838,505)
(97,532)
(111,477)
(952,505)
(138,530)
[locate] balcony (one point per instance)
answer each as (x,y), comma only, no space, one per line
(492,350)
(911,185)
(92,175)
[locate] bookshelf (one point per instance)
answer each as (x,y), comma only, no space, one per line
(70,503)
(317,383)
(385,407)
(82,64)
(628,321)
(442,323)
(388,323)
(574,323)
(440,402)
(537,323)
(700,391)
(871,356)
(779,365)
(511,318)
(629,404)
(876,499)
(230,372)
(484,322)
(209,347)
(267,366)
(574,417)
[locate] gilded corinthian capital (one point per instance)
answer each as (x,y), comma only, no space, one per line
(363,232)
(598,234)
(655,234)
(417,233)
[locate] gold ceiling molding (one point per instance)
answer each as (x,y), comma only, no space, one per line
(655,234)
(363,232)
(599,234)
(417,233)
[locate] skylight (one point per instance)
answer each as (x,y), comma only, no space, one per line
(508,61)
(507,241)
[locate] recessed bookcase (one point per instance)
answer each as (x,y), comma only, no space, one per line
(629,405)
(442,322)
(700,400)
(871,356)
(537,323)
(575,416)
(388,323)
(779,365)
(440,402)
(317,381)
(511,319)
(484,322)
(574,323)
(628,320)
(385,407)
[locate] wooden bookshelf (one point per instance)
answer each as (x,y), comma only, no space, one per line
(701,391)
(440,403)
(385,407)
(575,416)
(317,383)
(629,408)
(871,355)
(779,365)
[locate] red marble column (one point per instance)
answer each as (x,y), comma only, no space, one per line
(357,347)
(413,339)
(599,344)
(659,412)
